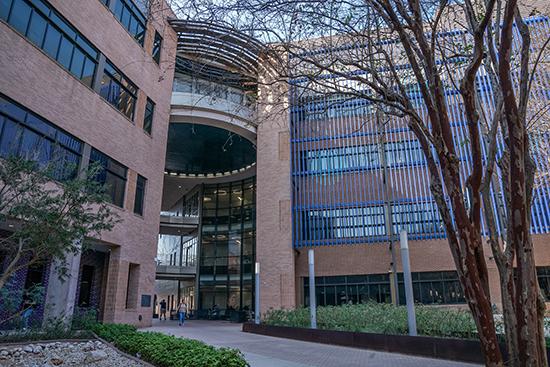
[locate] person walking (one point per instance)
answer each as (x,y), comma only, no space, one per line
(162,309)
(182,312)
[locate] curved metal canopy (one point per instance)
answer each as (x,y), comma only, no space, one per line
(218,45)
(202,150)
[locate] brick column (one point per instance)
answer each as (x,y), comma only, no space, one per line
(273,202)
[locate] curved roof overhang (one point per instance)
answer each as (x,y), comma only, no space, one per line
(197,150)
(218,45)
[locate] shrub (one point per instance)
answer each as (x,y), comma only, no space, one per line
(380,318)
(54,329)
(168,351)
(84,318)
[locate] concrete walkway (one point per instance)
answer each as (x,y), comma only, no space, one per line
(266,351)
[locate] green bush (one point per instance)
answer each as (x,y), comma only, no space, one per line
(380,318)
(54,329)
(168,351)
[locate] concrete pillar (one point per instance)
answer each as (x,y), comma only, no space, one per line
(61,293)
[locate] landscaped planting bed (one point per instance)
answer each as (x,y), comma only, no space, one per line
(168,351)
(380,318)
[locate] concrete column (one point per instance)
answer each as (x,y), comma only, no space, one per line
(312,298)
(257,293)
(61,293)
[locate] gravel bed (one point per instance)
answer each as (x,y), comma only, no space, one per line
(64,354)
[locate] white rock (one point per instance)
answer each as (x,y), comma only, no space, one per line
(95,356)
(28,348)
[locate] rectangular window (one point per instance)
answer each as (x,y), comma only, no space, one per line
(118,90)
(25,134)
(428,288)
(85,286)
(129,16)
(112,174)
(157,45)
(543,275)
(140,194)
(148,118)
(48,30)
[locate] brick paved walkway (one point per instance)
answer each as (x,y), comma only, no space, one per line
(266,351)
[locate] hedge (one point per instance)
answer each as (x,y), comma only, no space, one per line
(168,351)
(380,318)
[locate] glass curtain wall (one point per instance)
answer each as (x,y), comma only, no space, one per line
(177,250)
(428,288)
(228,235)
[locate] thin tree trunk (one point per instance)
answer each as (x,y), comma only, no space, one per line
(531,351)
(481,308)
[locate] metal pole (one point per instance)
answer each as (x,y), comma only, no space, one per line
(408,283)
(312,299)
(257,294)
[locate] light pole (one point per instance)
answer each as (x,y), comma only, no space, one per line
(257,294)
(312,299)
(411,317)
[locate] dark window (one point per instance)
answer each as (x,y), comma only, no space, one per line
(157,45)
(43,26)
(51,43)
(25,134)
(140,194)
(129,16)
(86,281)
(428,288)
(35,274)
(227,250)
(148,118)
(112,174)
(118,90)
(543,275)
(20,15)
(37,29)
(5,7)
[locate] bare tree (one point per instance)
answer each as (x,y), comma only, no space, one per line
(384,52)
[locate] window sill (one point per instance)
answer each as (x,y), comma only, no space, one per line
(114,206)
(147,134)
(117,110)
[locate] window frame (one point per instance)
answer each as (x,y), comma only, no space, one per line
(148,117)
(114,76)
(107,163)
(156,50)
(61,143)
(119,11)
(139,210)
(67,35)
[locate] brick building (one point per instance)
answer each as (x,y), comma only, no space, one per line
(213,168)
(95,77)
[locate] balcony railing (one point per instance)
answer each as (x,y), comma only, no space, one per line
(174,271)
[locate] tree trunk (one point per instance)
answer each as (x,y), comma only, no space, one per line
(480,305)
(507,289)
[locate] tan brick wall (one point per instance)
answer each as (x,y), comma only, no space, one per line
(273,229)
(31,78)
(428,255)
